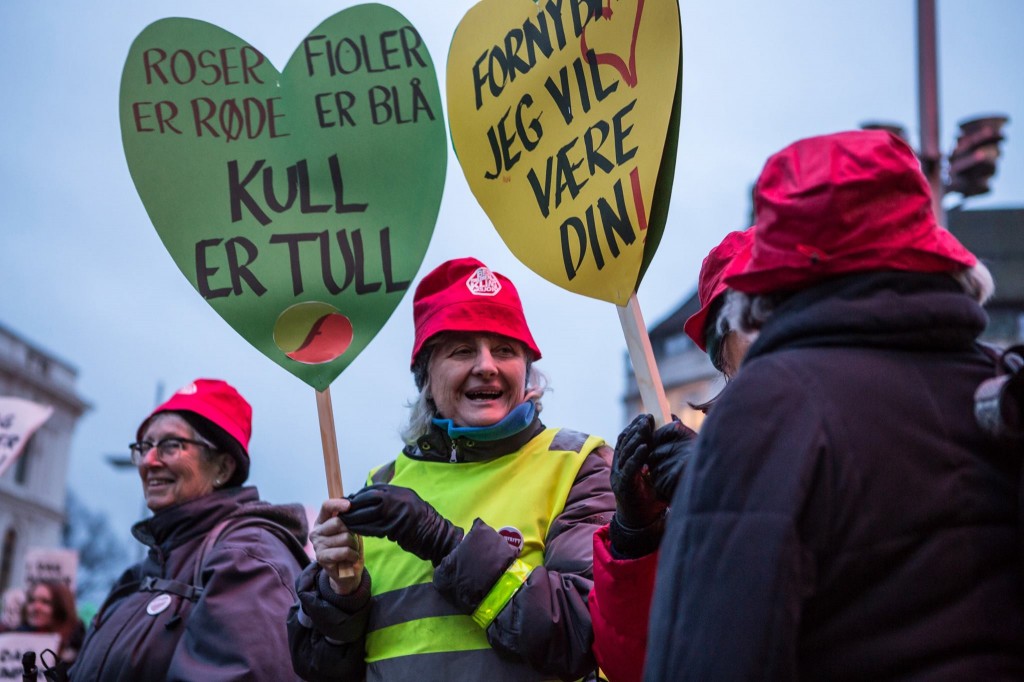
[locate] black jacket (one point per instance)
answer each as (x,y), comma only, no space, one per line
(844,518)
(234,630)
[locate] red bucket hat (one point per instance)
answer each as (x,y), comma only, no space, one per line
(842,203)
(220,405)
(464,295)
(731,255)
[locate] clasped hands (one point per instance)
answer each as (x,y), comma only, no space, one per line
(646,468)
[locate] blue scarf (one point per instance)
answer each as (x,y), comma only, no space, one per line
(514,422)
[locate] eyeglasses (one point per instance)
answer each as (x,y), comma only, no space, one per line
(166,449)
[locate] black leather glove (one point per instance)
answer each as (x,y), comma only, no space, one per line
(637,504)
(340,617)
(639,520)
(399,514)
(672,447)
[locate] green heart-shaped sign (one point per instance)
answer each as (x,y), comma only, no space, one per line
(565,117)
(298,204)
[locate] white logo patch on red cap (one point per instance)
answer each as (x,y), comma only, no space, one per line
(483,283)
(512,536)
(191,389)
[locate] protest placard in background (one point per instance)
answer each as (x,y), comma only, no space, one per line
(14,644)
(52,563)
(19,419)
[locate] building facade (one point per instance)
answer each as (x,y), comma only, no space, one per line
(34,489)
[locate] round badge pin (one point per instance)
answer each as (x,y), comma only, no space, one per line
(513,536)
(158,604)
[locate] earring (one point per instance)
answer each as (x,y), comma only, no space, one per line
(216,482)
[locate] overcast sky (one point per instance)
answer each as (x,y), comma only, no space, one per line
(86,277)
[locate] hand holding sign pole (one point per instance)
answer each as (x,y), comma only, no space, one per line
(298,204)
(565,117)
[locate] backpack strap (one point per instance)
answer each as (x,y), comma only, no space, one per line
(192,591)
(234,523)
(183,590)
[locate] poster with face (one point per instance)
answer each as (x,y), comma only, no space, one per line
(298,203)
(564,115)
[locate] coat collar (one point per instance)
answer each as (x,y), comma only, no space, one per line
(437,446)
(897,310)
(176,525)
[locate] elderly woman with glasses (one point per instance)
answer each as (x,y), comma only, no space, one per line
(479,535)
(208,601)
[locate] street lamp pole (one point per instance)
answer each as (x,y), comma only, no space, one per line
(928,103)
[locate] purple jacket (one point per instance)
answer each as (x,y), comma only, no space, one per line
(234,630)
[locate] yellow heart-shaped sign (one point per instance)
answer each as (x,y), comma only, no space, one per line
(561,112)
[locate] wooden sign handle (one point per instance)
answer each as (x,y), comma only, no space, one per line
(332,464)
(329,440)
(641,354)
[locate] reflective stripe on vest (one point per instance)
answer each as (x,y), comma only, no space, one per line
(524,490)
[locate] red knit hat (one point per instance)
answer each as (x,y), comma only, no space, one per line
(464,295)
(219,405)
(842,203)
(731,255)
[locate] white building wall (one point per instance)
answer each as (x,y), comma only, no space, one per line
(33,493)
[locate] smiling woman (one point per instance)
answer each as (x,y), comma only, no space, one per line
(479,535)
(221,562)
(476,379)
(175,464)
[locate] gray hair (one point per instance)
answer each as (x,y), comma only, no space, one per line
(422,409)
(977,282)
(723,326)
(748,313)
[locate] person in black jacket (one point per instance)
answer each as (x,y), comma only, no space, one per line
(844,517)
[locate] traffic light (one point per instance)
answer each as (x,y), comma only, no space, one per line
(973,162)
(888,126)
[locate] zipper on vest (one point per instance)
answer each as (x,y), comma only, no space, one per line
(455,452)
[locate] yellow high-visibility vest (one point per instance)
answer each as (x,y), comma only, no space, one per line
(519,494)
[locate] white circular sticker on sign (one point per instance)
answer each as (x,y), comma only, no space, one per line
(159,604)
